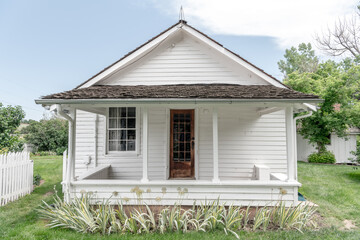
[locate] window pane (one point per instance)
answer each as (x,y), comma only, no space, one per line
(123,135)
(123,112)
(188,156)
(176,157)
(131,112)
(131,145)
(131,123)
(112,123)
(112,112)
(181,156)
(113,135)
(187,127)
(122,146)
(123,123)
(131,134)
(112,145)
(188,137)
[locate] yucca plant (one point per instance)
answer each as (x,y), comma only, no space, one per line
(231,219)
(103,218)
(246,216)
(103,213)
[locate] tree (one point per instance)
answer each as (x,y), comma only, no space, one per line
(48,135)
(10,119)
(302,59)
(338,85)
(343,38)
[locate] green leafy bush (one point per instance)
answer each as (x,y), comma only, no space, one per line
(36,180)
(47,135)
(10,119)
(323,157)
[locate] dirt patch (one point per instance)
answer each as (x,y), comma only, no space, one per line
(42,181)
(348,225)
(48,194)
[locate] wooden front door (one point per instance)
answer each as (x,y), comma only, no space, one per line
(182,143)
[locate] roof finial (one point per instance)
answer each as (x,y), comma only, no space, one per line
(181,15)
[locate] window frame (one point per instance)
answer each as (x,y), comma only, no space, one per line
(136,152)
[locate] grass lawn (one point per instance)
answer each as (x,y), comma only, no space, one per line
(336,189)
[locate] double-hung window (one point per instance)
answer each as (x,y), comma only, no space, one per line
(122,129)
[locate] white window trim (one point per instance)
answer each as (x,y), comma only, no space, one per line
(136,152)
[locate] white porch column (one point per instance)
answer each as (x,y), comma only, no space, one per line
(145,144)
(72,140)
(290,147)
(215,145)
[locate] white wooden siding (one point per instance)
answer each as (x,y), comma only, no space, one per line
(157,149)
(245,139)
(169,193)
(185,62)
(339,146)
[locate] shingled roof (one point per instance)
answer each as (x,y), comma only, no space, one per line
(182,91)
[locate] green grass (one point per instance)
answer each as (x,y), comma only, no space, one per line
(334,188)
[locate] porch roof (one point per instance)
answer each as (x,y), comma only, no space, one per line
(183,91)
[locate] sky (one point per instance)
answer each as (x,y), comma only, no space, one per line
(52,46)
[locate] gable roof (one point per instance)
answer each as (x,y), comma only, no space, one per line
(155,41)
(183,91)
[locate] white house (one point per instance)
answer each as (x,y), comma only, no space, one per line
(341,147)
(182,117)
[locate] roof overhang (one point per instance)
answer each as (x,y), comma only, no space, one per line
(173,100)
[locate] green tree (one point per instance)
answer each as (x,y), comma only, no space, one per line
(48,135)
(10,119)
(338,85)
(301,59)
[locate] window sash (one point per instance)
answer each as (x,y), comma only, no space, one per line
(122,126)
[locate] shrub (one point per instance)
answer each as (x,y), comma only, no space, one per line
(104,218)
(36,180)
(10,119)
(47,135)
(323,157)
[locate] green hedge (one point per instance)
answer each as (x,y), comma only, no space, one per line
(324,157)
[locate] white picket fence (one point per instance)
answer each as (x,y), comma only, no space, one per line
(16,176)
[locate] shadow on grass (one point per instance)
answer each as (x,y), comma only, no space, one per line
(355,175)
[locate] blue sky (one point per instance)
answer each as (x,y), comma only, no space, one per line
(52,46)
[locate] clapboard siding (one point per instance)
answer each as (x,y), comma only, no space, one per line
(157,148)
(185,62)
(205,144)
(185,194)
(239,151)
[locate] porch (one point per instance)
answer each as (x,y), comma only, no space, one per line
(243,155)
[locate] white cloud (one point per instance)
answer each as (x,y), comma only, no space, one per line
(290,22)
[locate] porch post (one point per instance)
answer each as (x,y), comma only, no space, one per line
(290,131)
(145,144)
(215,145)
(71,161)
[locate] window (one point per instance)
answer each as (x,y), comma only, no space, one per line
(122,129)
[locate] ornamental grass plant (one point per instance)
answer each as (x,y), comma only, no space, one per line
(105,218)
